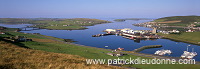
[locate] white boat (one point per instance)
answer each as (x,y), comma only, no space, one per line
(163,52)
(168,51)
(157,52)
(188,55)
(185,54)
(193,53)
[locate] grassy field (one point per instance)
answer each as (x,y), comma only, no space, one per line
(192,37)
(24,58)
(13,57)
(55,23)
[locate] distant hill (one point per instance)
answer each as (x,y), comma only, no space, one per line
(55,23)
(121,20)
(178,20)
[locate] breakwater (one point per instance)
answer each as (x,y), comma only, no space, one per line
(147,47)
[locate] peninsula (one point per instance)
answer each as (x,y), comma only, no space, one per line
(55,23)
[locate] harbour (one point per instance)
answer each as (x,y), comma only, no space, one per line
(114,42)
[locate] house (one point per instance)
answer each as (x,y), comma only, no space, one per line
(65,25)
(17,30)
(119,54)
(115,54)
(164,32)
(2,33)
(21,38)
(111,54)
(190,30)
(174,31)
(110,30)
(126,30)
(149,25)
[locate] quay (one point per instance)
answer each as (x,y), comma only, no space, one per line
(98,35)
(132,34)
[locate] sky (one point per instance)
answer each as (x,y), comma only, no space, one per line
(97,8)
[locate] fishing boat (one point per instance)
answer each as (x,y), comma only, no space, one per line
(120,48)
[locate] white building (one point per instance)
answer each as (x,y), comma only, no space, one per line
(110,30)
(126,30)
(174,31)
(189,30)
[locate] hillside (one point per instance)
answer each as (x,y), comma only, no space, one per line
(190,37)
(13,57)
(178,20)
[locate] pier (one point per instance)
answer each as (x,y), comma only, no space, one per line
(147,47)
(98,35)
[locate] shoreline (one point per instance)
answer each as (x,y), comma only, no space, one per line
(176,40)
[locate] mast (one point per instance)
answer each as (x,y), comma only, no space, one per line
(192,49)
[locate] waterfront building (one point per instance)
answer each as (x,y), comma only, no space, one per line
(154,30)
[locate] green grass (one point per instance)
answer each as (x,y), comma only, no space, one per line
(192,37)
(22,34)
(86,52)
(74,27)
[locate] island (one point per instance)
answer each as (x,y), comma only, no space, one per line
(55,23)
(121,20)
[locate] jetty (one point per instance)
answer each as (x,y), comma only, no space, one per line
(147,47)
